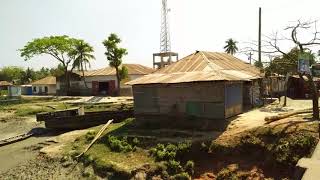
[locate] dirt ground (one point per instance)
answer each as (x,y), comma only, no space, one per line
(39,157)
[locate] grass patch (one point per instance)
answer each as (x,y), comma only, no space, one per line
(109,162)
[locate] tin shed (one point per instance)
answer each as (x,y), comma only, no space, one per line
(204,85)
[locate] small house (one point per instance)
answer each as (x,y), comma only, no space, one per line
(299,88)
(4,85)
(203,85)
(101,82)
(45,86)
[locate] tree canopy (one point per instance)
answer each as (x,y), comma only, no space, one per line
(287,63)
(231,46)
(114,55)
(62,48)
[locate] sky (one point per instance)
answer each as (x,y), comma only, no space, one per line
(194,25)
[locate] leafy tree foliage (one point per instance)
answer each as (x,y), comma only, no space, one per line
(231,46)
(123,73)
(61,48)
(287,63)
(82,53)
(114,55)
(18,75)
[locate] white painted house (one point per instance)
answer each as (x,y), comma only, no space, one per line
(45,86)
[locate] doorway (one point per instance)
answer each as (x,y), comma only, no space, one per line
(103,88)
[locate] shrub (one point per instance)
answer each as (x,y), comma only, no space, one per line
(174,167)
(135,141)
(189,167)
(170,151)
(118,144)
(90,136)
(182,176)
(290,149)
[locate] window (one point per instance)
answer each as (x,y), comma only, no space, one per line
(34,89)
(46,89)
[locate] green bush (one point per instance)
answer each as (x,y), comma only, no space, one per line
(170,151)
(174,167)
(118,144)
(181,176)
(189,167)
(290,149)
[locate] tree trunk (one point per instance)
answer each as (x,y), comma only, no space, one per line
(315,97)
(118,81)
(83,76)
(286,86)
(67,80)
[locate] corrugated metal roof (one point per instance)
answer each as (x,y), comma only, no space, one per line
(5,83)
(133,69)
(183,77)
(208,61)
(203,66)
(50,80)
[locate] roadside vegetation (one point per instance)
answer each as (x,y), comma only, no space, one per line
(270,151)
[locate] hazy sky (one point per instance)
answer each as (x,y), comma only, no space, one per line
(194,24)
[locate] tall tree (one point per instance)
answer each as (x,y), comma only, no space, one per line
(83,54)
(114,55)
(57,71)
(11,73)
(59,47)
(231,46)
(27,76)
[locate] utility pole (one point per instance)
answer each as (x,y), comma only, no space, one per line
(250,57)
(259,37)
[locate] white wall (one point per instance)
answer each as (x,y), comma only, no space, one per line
(51,89)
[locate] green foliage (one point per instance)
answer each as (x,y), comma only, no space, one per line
(258,64)
(114,54)
(181,176)
(231,46)
(189,167)
(170,151)
(174,167)
(62,48)
(83,54)
(226,174)
(11,73)
(287,63)
(290,149)
(123,72)
(28,111)
(118,144)
(3,92)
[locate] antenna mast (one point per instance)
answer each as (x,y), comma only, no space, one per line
(165,44)
(165,54)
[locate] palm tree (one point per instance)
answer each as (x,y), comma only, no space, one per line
(231,46)
(82,53)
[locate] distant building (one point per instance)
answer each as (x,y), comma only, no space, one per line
(203,85)
(101,81)
(45,86)
(4,85)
